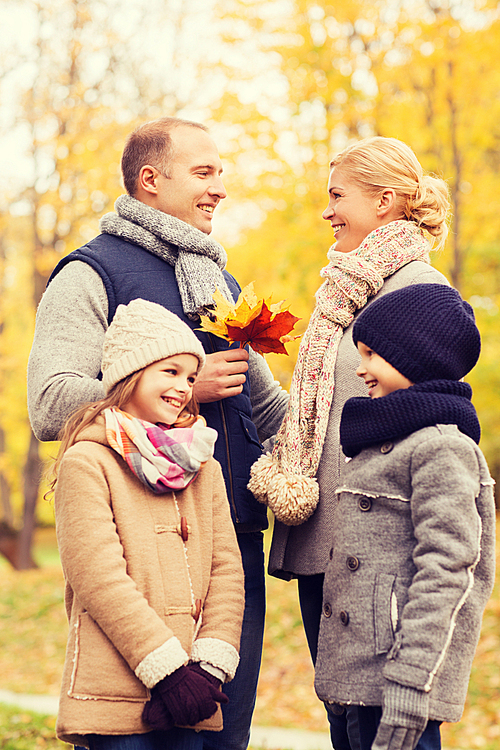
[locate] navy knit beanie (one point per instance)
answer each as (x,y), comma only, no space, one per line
(425,331)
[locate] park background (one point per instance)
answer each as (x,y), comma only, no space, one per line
(282,85)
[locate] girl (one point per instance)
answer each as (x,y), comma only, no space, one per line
(154,584)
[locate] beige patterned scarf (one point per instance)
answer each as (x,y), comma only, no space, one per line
(285,480)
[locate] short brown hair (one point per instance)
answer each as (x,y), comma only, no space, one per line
(150,143)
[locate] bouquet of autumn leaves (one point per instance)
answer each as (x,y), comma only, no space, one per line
(264,326)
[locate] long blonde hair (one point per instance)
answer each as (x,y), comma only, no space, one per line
(85,415)
(379,163)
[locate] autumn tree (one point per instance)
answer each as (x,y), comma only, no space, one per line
(83,75)
(423,72)
(69,180)
(422,96)
(73,117)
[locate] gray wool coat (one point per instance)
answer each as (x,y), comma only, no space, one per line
(411,568)
(304,549)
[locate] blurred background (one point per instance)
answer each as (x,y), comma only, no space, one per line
(283,85)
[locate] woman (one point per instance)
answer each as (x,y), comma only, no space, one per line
(384,211)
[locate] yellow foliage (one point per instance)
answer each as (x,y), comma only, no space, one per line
(346,70)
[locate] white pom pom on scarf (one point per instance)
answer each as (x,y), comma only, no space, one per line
(291,497)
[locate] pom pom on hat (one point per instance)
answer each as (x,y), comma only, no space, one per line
(141,333)
(425,331)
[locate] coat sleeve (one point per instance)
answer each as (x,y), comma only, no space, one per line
(269,399)
(447,526)
(219,637)
(94,566)
(65,358)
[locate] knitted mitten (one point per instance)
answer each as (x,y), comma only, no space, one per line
(155,712)
(189,697)
(196,667)
(405,714)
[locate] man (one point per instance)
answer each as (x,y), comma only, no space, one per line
(157,247)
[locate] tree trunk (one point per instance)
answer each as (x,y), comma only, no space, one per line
(7,514)
(9,543)
(457,267)
(32,472)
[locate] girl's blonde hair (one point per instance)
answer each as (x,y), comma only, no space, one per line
(85,415)
(378,163)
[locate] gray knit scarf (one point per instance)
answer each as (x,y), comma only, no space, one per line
(198,260)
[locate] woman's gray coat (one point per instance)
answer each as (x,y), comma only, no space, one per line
(304,549)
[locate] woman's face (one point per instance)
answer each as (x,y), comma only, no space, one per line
(351,211)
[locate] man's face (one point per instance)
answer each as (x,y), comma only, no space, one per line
(194,187)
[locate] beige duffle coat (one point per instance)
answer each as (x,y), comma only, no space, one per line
(151,582)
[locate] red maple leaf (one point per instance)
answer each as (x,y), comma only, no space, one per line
(265,332)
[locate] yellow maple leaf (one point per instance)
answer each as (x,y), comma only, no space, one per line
(224,307)
(223,310)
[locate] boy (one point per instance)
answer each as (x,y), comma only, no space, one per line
(412,562)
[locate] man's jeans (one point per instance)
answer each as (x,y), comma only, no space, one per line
(175,739)
(242,690)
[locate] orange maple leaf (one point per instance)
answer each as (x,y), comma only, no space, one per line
(264,327)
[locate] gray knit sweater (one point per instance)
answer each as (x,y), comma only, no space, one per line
(65,358)
(304,549)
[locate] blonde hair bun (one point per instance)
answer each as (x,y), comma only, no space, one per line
(379,163)
(430,206)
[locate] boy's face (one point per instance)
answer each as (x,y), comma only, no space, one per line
(380,377)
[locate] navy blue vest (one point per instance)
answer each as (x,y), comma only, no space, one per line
(130,272)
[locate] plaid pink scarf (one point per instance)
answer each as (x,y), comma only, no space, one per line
(286,480)
(163,458)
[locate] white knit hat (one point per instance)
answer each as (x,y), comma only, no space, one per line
(141,333)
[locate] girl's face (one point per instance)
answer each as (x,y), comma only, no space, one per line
(164,389)
(351,211)
(380,377)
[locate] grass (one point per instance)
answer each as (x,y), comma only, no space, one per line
(33,632)
(22,730)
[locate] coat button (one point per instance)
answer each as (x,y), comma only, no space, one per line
(344,617)
(352,563)
(386,447)
(331,554)
(184,529)
(196,609)
(327,609)
(365,504)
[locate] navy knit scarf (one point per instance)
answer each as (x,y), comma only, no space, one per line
(367,421)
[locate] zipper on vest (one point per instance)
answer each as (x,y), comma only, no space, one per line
(229,489)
